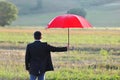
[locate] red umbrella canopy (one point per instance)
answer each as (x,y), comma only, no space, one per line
(69,21)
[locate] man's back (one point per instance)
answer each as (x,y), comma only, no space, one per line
(38,50)
(38,57)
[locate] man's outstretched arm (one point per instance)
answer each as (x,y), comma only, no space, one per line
(57,49)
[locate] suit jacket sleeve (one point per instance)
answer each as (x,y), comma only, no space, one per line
(27,58)
(56,49)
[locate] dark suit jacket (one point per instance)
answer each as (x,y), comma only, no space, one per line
(38,57)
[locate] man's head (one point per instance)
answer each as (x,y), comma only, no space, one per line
(37,35)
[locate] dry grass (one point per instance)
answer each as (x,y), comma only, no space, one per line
(12,65)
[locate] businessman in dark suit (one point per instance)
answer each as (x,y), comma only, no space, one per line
(38,57)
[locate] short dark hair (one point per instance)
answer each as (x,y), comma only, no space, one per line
(37,35)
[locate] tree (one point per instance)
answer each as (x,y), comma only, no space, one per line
(8,13)
(77,11)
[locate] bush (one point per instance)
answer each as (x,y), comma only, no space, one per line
(77,11)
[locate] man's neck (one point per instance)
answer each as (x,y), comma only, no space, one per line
(37,40)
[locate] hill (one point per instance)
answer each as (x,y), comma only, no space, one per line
(99,12)
(57,5)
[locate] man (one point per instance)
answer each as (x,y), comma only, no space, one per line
(38,57)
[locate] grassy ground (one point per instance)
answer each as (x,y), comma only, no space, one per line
(94,53)
(77,36)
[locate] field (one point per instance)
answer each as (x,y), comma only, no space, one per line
(94,53)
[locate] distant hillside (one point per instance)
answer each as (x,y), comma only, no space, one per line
(101,13)
(26,6)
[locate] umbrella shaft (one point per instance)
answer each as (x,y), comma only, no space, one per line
(68,38)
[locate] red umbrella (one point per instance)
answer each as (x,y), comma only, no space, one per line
(69,21)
